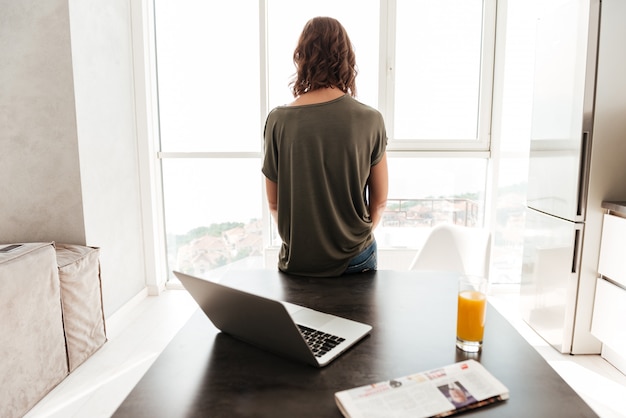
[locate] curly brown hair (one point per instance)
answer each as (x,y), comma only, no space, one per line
(324,57)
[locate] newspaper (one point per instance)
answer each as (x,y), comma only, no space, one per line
(435,393)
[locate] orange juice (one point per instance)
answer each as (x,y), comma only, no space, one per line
(470,323)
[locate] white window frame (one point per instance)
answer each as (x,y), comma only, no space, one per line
(387,86)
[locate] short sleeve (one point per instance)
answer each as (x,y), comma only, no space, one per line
(270,157)
(380,141)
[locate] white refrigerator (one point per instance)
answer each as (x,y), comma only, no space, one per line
(571,168)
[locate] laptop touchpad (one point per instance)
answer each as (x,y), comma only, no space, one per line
(311,318)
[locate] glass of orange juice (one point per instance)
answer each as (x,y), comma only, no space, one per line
(472,306)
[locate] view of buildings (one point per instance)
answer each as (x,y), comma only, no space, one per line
(207,249)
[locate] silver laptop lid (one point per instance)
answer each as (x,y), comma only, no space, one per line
(264,322)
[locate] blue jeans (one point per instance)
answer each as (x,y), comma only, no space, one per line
(366,261)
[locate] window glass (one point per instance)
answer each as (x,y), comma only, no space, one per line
(208,75)
(212,213)
(210,79)
(424,192)
(286,19)
(515,131)
(437,69)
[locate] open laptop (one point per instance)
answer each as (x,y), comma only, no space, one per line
(281,327)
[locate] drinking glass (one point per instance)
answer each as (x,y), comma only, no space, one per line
(472,306)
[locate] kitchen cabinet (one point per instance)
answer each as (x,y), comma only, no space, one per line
(610,299)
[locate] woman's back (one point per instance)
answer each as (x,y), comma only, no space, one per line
(320,156)
(325,164)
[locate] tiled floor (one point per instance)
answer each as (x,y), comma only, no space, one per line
(142,329)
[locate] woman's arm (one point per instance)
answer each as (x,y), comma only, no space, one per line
(378,187)
(271,189)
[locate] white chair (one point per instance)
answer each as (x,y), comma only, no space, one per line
(457,248)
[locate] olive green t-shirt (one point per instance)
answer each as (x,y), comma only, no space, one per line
(320,156)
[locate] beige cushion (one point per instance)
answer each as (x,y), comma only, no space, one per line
(81,298)
(32,346)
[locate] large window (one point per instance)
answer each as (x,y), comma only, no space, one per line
(438,69)
(208,76)
(427,66)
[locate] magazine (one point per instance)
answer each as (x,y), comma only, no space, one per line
(434,393)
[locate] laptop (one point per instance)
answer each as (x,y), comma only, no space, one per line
(283,328)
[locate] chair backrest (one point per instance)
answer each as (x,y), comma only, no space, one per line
(458,248)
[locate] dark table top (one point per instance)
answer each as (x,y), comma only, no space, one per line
(205,373)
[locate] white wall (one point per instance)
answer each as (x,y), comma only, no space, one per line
(105,107)
(39,164)
(68,134)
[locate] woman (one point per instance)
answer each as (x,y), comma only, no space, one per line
(325,163)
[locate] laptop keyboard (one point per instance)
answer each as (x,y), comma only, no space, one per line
(320,342)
